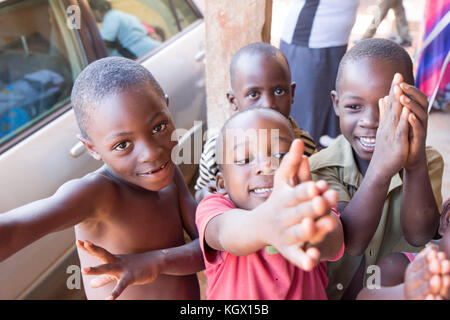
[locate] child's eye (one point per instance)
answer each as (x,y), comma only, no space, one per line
(353,107)
(253,94)
(160,127)
(122,146)
(279,91)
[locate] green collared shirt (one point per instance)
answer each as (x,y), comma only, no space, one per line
(336,165)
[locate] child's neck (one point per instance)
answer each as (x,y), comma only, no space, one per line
(361,163)
(109,173)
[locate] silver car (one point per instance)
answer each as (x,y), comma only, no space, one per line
(44,44)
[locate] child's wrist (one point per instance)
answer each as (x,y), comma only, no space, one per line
(378,177)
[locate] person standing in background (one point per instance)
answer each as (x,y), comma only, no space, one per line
(383,7)
(314,40)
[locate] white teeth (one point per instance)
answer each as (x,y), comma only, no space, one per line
(368,142)
(262,190)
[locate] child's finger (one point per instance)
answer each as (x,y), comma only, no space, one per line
(445,267)
(122,284)
(394,97)
(304,172)
(403,125)
(97,251)
(445,289)
(435,284)
(298,257)
(111,269)
(314,209)
(313,253)
(415,108)
(290,164)
(331,196)
(102,280)
(302,192)
(415,94)
(382,107)
(323,227)
(302,231)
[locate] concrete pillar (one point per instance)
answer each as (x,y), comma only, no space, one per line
(230,25)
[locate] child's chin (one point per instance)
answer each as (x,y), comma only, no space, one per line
(161,182)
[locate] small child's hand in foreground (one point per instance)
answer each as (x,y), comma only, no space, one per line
(305,216)
(428,276)
(127,269)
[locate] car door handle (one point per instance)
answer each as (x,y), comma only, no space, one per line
(200,56)
(77,150)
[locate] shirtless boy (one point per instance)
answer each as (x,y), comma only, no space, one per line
(137,203)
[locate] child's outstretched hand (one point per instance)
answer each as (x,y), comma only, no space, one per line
(428,276)
(392,133)
(305,216)
(127,269)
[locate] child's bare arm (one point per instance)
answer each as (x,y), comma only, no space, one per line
(186,204)
(419,213)
(285,220)
(185,259)
(361,216)
(71,204)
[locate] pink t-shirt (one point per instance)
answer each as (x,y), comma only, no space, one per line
(258,276)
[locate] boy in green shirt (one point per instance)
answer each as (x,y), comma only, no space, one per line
(389,183)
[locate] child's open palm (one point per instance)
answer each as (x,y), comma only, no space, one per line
(303,216)
(127,270)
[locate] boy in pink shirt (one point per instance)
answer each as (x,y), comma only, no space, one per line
(256,207)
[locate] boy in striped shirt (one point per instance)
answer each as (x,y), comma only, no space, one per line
(260,77)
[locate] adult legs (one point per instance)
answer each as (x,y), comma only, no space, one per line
(383,7)
(401,22)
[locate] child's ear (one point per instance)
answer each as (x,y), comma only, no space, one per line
(220,184)
(232,100)
(90,147)
(293,84)
(335,99)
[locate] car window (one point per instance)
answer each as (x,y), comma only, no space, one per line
(39,60)
(132,28)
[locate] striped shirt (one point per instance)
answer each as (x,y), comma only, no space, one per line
(208,166)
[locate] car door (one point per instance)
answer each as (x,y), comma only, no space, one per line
(42,50)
